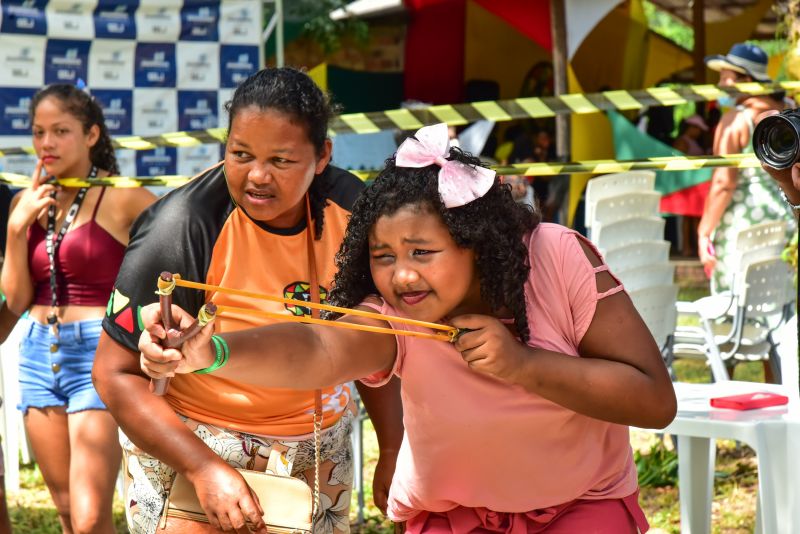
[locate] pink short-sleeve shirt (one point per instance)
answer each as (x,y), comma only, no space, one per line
(475,441)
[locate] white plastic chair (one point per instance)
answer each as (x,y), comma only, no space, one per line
(627,231)
(757,242)
(763,300)
(632,205)
(610,185)
(656,274)
(656,305)
(637,255)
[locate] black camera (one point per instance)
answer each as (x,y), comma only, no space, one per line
(776,139)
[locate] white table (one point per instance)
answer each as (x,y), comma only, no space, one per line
(773,433)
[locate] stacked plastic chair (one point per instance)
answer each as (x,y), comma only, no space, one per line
(622,218)
(740,324)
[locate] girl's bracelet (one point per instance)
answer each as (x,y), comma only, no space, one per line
(222,353)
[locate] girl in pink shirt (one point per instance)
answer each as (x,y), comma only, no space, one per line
(521,424)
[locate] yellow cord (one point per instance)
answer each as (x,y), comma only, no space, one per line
(221,309)
(347,311)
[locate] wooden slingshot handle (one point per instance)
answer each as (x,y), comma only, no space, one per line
(159,386)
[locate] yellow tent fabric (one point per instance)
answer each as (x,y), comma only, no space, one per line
(723,34)
(320,75)
(663,59)
(591,138)
(494,50)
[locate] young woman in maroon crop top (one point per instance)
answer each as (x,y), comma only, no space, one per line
(65,290)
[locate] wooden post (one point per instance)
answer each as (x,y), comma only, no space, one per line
(558,30)
(699,52)
(279,34)
(559,185)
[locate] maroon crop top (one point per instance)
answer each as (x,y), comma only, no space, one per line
(87,260)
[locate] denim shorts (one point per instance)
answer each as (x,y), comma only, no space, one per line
(57,370)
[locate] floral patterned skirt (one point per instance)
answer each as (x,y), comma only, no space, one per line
(147,480)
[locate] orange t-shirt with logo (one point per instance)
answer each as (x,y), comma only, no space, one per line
(199,232)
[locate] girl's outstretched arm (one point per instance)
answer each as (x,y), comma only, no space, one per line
(620,376)
(288,355)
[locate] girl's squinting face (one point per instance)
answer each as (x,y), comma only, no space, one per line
(270,163)
(419,269)
(60,140)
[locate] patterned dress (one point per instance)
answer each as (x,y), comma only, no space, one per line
(757,199)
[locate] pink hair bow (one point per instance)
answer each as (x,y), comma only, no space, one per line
(459,183)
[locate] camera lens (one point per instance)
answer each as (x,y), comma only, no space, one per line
(776,140)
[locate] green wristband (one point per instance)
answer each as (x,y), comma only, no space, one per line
(222,353)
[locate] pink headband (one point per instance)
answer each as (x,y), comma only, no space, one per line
(459,183)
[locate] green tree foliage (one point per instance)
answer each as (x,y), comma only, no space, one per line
(314,16)
(668,26)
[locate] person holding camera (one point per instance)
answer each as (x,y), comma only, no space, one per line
(738,198)
(776,142)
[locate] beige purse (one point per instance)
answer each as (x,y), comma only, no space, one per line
(289,504)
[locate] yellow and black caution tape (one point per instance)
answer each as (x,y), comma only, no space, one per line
(599,166)
(457,114)
(605,166)
(136,142)
(20,180)
(527,108)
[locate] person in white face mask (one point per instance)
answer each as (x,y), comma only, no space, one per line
(737,198)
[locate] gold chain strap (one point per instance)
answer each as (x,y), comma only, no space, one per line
(317,459)
(314,294)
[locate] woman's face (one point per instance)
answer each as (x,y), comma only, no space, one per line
(270,163)
(60,140)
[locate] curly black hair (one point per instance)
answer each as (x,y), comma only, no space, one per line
(493,226)
(294,93)
(85,108)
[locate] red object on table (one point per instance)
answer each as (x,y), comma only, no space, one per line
(749,401)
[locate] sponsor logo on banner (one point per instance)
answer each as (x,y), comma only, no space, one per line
(155,65)
(23,17)
(65,61)
(158,23)
(126,160)
(115,20)
(239,23)
(160,161)
(199,21)
(224,96)
(21,59)
(236,63)
(18,164)
(155,111)
(111,63)
(14,107)
(197,110)
(117,110)
(193,160)
(70,20)
(197,65)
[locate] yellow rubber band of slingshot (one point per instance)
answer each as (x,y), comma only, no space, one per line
(221,309)
(301,303)
(204,316)
(165,287)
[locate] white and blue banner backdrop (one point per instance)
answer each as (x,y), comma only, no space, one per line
(155,66)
